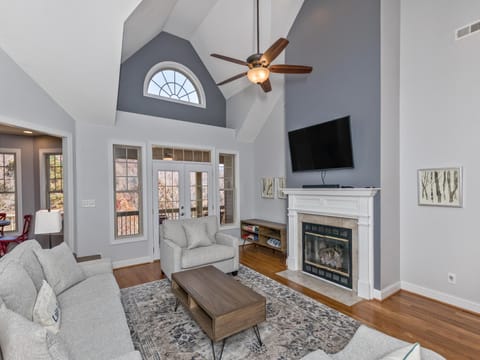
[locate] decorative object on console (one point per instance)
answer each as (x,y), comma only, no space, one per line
(268,188)
(281,185)
(48,222)
(440,187)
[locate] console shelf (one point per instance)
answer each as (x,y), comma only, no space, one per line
(265,233)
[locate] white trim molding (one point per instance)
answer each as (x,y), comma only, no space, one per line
(442,297)
(130,262)
(387,292)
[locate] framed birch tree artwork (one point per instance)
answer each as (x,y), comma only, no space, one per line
(440,187)
(268,188)
(281,185)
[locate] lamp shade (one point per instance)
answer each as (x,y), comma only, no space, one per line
(48,222)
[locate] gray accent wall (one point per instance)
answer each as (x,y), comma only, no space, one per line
(168,47)
(341,40)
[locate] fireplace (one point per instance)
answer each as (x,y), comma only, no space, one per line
(327,253)
(347,208)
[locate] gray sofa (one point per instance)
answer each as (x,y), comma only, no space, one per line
(369,344)
(175,255)
(93,323)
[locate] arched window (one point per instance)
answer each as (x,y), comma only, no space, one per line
(172,81)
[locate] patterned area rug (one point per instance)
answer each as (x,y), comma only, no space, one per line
(295,325)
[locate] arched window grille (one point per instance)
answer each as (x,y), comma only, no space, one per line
(174,82)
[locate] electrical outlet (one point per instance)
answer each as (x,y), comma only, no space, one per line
(452,278)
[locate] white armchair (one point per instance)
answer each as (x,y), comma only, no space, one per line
(192,243)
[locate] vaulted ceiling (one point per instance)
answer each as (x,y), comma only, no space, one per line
(73,49)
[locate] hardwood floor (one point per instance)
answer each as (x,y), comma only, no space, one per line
(450,331)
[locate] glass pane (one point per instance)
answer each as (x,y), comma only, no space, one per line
(56,201)
(168,195)
(120,168)
(158,78)
(132,167)
(153,88)
(126,201)
(132,183)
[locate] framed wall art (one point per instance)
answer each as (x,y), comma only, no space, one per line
(268,188)
(440,187)
(281,185)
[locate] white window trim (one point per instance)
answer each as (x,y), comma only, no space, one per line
(183,69)
(236,222)
(43,174)
(111,179)
(18,185)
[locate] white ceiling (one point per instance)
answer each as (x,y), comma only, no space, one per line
(73,49)
(212,26)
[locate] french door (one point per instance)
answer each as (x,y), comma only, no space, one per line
(180,191)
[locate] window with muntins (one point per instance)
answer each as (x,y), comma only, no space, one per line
(54,171)
(128,191)
(226,188)
(8,189)
(174,82)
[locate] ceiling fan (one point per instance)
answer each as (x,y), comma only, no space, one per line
(259,65)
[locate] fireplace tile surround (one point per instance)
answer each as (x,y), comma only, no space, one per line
(350,208)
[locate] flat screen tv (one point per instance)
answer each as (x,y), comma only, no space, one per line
(320,147)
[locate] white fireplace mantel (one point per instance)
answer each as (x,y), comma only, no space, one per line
(351,203)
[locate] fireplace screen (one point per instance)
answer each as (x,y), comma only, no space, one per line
(327,253)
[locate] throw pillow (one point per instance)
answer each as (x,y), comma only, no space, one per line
(196,234)
(24,339)
(60,268)
(17,289)
(46,311)
(410,352)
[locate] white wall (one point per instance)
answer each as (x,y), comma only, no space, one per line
(94,164)
(390,146)
(269,156)
(25,104)
(439,126)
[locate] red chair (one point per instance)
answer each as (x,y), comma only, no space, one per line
(7,240)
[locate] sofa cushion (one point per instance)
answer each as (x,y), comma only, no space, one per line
(88,290)
(196,234)
(24,339)
(60,268)
(46,311)
(206,255)
(23,253)
(93,320)
(173,229)
(17,289)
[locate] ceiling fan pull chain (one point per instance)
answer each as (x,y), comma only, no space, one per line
(258,28)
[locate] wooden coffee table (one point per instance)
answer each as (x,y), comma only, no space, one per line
(219,304)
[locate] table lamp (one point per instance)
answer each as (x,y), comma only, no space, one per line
(48,222)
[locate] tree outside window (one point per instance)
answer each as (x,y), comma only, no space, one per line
(128,194)
(226,187)
(8,188)
(54,171)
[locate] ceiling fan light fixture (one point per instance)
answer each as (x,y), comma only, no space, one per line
(258,74)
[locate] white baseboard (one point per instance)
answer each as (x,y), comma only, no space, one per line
(387,292)
(131,262)
(442,297)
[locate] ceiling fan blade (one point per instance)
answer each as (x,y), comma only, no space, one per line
(227,58)
(290,69)
(266,85)
(238,76)
(273,51)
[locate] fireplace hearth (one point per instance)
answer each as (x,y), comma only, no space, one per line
(327,253)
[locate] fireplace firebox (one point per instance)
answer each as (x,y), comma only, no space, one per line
(327,253)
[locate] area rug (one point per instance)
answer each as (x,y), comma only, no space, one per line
(295,325)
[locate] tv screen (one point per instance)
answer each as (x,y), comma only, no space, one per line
(324,146)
